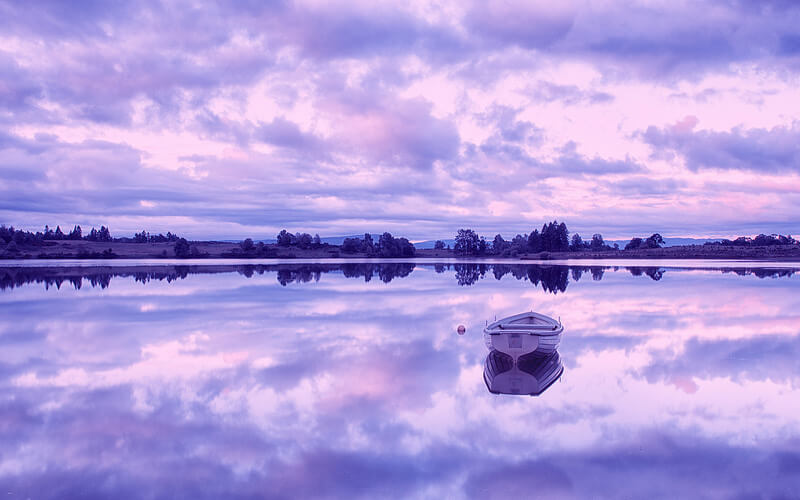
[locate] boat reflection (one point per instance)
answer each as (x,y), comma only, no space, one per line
(531,374)
(523,356)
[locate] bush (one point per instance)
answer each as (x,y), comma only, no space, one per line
(634,244)
(351,245)
(284,238)
(182,248)
(247,245)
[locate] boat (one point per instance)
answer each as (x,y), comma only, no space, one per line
(524,333)
(529,375)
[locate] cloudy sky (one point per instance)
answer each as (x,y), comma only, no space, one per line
(240,118)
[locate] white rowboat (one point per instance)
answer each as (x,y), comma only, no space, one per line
(524,333)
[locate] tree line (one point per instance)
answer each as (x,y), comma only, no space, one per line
(553,237)
(762,240)
(300,240)
(22,237)
(386,246)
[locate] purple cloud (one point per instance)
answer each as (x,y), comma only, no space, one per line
(393,132)
(283,133)
(525,24)
(19,87)
(764,150)
(568,94)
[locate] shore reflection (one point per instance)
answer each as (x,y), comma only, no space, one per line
(553,279)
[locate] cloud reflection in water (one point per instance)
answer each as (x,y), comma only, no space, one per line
(221,385)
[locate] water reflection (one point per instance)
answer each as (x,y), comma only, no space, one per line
(523,356)
(219,385)
(550,278)
(530,374)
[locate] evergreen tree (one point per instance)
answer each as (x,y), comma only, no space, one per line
(535,241)
(499,245)
(577,243)
(104,234)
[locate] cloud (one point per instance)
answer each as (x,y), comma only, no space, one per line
(393,132)
(509,128)
(346,31)
(90,177)
(774,150)
(641,185)
(570,162)
(19,88)
(531,477)
(533,24)
(52,19)
(669,41)
(568,94)
(763,357)
(283,133)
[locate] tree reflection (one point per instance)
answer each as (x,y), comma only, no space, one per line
(552,278)
(655,273)
(469,274)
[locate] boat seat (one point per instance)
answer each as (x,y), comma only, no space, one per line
(525,326)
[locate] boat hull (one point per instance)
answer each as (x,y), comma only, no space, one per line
(523,334)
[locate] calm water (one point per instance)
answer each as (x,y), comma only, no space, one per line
(351,382)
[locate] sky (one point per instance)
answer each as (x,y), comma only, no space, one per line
(238,119)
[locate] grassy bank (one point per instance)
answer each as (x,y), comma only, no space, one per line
(222,250)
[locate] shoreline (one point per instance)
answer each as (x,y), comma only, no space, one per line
(230,263)
(212,250)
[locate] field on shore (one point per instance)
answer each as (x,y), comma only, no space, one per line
(214,249)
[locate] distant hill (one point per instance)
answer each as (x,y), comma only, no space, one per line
(337,240)
(266,241)
(332,240)
(429,243)
(669,242)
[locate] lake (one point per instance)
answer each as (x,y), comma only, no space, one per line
(332,380)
